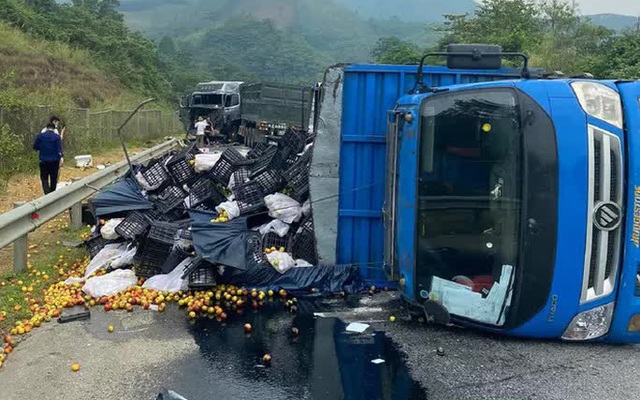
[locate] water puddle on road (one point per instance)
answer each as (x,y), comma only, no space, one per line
(322,362)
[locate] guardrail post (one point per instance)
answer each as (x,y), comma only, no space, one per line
(76,213)
(20,246)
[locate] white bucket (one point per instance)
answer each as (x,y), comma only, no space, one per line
(84,161)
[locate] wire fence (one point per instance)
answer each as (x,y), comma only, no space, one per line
(87,129)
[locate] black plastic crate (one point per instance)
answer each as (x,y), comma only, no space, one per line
(241,175)
(229,161)
(175,258)
(258,151)
(96,243)
(134,225)
(271,239)
(298,188)
(294,139)
(270,181)
(302,166)
(304,244)
(155,174)
(200,274)
(255,251)
(163,232)
(270,161)
(205,193)
(169,198)
(180,169)
(249,196)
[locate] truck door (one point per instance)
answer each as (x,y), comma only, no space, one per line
(626,319)
(389,208)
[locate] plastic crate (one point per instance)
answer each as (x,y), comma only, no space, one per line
(270,161)
(302,166)
(294,139)
(155,174)
(163,232)
(205,193)
(169,198)
(258,151)
(298,188)
(271,239)
(270,181)
(200,274)
(180,169)
(229,161)
(175,258)
(255,251)
(249,196)
(241,175)
(303,245)
(96,243)
(134,225)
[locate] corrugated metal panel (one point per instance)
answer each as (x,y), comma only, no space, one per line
(369,92)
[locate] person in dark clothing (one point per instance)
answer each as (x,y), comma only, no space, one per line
(49,146)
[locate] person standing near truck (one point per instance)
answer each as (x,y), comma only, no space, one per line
(49,146)
(200,126)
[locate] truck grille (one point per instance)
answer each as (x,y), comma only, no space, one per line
(603,239)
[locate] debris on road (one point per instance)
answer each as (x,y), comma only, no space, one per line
(357,327)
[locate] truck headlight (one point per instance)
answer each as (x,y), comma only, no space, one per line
(590,324)
(599,101)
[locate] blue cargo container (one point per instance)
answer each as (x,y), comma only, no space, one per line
(369,92)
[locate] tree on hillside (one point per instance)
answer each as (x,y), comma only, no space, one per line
(391,50)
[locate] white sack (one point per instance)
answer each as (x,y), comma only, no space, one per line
(283,208)
(104,258)
(110,284)
(278,227)
(204,162)
(124,259)
(306,208)
(144,184)
(108,231)
(231,207)
(171,282)
(282,262)
(300,263)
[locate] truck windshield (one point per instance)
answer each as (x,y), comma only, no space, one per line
(207,99)
(470,191)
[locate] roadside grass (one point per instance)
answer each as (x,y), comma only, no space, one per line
(48,263)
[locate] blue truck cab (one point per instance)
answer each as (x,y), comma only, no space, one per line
(494,199)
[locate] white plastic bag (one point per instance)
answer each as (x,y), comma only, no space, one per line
(110,284)
(300,263)
(278,227)
(108,231)
(283,207)
(104,258)
(282,262)
(144,184)
(124,259)
(204,162)
(73,280)
(171,282)
(231,207)
(306,208)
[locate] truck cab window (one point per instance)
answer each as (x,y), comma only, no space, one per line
(470,188)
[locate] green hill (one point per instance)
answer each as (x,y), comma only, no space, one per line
(292,40)
(616,22)
(409,10)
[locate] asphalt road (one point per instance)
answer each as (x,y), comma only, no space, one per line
(150,351)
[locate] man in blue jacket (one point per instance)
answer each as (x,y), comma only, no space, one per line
(49,146)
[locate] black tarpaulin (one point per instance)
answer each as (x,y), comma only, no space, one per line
(298,281)
(219,243)
(119,197)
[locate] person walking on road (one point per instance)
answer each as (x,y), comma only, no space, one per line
(48,144)
(200,126)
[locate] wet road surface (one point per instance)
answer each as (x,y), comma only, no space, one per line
(151,351)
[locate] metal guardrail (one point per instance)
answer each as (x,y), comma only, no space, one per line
(17,223)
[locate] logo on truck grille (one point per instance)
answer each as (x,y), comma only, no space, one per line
(607,216)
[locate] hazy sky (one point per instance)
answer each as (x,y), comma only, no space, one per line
(629,7)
